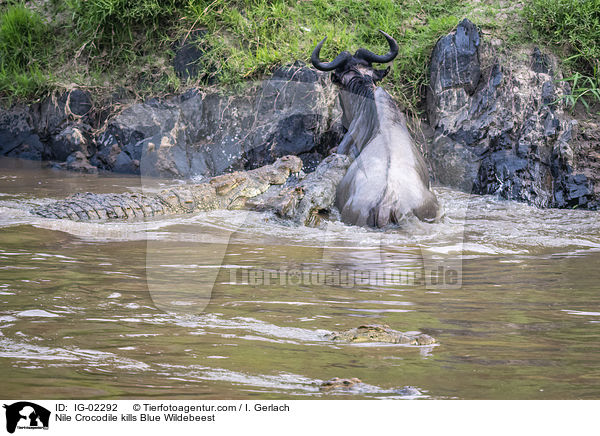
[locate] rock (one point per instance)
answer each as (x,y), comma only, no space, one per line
(310,160)
(199,134)
(308,120)
(220,132)
(162,155)
(77,161)
(193,134)
(298,73)
(498,127)
(294,134)
(455,164)
(72,139)
(107,153)
(51,115)
(188,53)
(578,167)
(153,130)
(18,137)
(78,103)
(541,63)
(52,129)
(454,71)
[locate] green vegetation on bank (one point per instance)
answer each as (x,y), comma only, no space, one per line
(23,52)
(105,45)
(261,34)
(572,27)
(110,46)
(120,29)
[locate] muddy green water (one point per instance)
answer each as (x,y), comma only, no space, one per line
(231,305)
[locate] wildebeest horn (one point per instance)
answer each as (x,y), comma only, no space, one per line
(369,56)
(340,60)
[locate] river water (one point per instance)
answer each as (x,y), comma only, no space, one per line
(235,305)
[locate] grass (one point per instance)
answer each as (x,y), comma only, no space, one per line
(23,46)
(114,45)
(572,29)
(263,34)
(122,30)
(105,46)
(125,46)
(269,33)
(584,90)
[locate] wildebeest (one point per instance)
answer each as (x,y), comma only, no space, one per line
(388,178)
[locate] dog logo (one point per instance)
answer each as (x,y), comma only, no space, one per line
(26,415)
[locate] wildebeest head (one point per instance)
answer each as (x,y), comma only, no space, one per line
(355,73)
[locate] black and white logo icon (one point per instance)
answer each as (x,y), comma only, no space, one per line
(26,415)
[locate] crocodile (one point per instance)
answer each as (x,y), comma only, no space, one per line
(309,200)
(355,385)
(379,333)
(339,383)
(280,187)
(227,191)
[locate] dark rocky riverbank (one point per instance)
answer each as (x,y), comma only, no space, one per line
(193,134)
(496,125)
